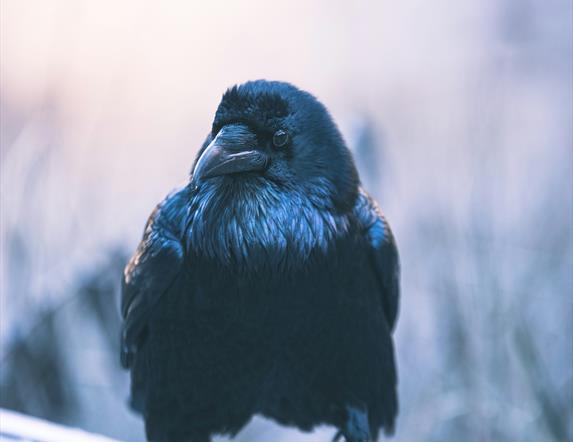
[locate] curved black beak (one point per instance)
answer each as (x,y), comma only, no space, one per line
(234,150)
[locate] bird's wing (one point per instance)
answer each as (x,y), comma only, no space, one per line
(383,254)
(151,271)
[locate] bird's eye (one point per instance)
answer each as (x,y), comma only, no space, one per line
(280,138)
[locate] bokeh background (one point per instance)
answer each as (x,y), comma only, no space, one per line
(460,117)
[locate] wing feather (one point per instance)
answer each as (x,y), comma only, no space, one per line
(151,271)
(384,254)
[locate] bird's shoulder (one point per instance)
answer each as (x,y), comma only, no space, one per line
(163,233)
(371,219)
(170,215)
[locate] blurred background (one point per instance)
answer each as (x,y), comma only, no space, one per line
(460,118)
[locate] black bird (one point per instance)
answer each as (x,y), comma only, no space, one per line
(269,284)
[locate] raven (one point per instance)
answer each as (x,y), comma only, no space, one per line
(268,284)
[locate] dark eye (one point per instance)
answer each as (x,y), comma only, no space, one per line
(280,138)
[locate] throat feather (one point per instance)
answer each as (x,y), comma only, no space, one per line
(251,224)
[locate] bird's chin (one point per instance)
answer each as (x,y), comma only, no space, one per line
(239,178)
(246,175)
(235,184)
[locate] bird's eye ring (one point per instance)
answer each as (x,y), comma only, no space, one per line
(280,138)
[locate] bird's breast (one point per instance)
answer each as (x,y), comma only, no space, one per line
(267,231)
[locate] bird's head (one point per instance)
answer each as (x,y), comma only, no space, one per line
(274,182)
(271,132)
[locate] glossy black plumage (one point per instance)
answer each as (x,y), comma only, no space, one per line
(267,285)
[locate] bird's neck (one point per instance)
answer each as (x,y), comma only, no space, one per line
(253,225)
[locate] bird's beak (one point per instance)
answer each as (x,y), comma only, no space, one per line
(232,151)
